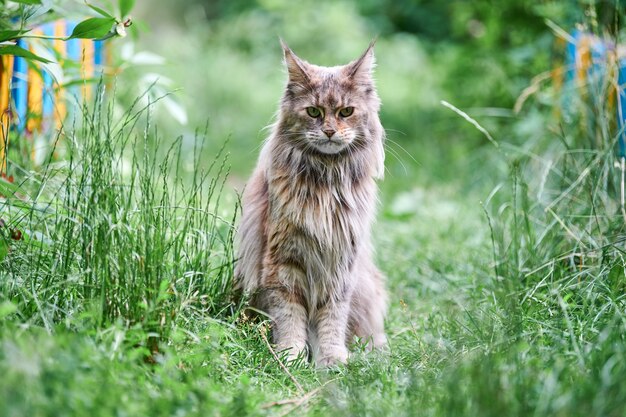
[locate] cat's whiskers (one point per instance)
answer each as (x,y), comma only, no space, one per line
(401,147)
(395,155)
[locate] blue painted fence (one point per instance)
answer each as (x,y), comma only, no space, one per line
(30,99)
(34,94)
(596,62)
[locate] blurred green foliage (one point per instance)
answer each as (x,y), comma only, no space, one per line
(477,55)
(480,56)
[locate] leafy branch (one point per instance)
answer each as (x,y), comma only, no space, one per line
(96,28)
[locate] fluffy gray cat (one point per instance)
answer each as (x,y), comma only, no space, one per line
(304,255)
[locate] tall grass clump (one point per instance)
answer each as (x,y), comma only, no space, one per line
(559,273)
(115,229)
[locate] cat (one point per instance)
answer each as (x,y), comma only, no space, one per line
(305,256)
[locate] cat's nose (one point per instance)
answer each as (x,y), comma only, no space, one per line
(329,132)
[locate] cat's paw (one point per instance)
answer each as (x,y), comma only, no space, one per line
(297,358)
(337,357)
(293,353)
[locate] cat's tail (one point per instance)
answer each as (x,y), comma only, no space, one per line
(251,235)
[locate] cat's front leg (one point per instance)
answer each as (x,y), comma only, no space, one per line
(285,305)
(332,322)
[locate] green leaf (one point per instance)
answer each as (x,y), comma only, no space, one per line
(125,7)
(100,11)
(6,35)
(27,1)
(21,52)
(93,28)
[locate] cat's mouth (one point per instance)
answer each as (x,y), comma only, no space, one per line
(330,145)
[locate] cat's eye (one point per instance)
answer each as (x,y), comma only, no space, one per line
(313,112)
(346,111)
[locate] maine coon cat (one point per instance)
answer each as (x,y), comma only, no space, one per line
(304,253)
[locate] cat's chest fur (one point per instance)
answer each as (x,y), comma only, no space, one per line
(317,222)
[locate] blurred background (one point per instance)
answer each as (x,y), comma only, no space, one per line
(223,60)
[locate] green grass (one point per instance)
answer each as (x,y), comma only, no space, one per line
(507,296)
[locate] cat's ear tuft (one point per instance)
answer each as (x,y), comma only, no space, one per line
(362,68)
(296,68)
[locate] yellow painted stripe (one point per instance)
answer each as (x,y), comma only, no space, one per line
(583,59)
(558,74)
(59,100)
(87,67)
(35,94)
(59,32)
(6,71)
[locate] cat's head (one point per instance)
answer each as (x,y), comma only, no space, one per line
(330,110)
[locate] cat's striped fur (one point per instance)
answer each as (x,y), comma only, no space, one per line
(304,240)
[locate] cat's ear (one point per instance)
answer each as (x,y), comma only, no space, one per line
(296,68)
(361,69)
